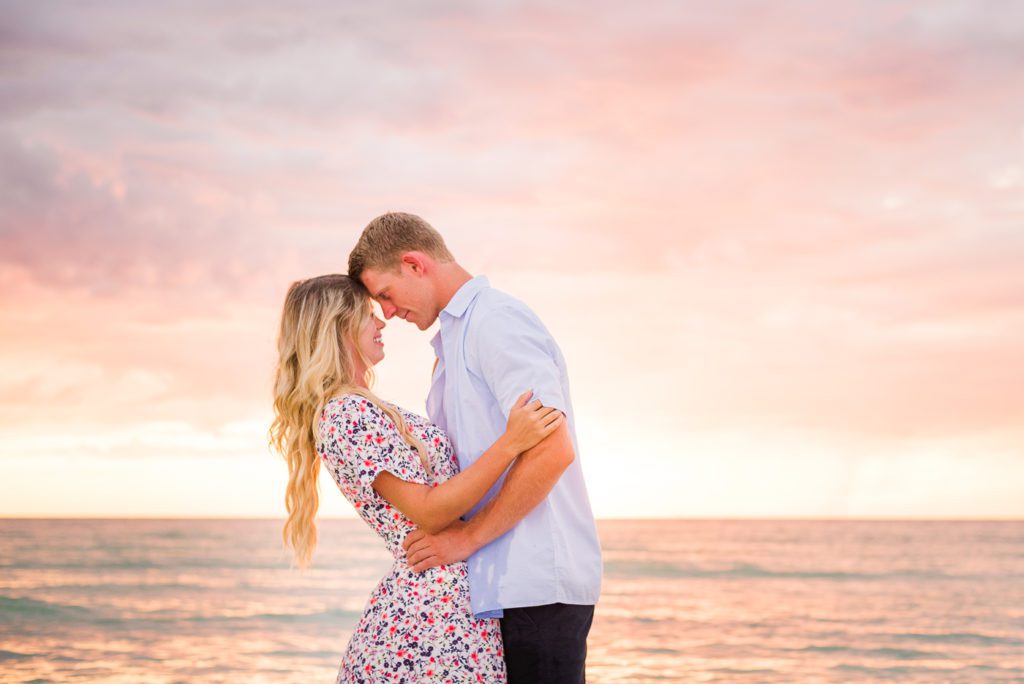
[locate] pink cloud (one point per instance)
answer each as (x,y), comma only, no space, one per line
(811,187)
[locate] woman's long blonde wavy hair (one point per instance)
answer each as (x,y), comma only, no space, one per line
(320,324)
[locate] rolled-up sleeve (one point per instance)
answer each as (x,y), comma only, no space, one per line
(511,351)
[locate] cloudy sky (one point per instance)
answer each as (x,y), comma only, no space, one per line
(780,243)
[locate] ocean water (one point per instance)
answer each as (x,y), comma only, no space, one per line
(683,601)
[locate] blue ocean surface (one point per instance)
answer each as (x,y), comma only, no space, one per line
(138,601)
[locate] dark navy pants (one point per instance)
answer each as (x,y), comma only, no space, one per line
(546,644)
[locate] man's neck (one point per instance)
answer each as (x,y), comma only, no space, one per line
(451,277)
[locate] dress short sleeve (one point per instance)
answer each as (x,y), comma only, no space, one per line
(360,441)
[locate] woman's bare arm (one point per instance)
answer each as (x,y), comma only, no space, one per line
(433,508)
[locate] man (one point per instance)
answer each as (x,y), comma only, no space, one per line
(531,543)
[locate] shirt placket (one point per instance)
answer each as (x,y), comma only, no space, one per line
(450,362)
(435,396)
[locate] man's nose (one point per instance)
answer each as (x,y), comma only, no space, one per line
(387,309)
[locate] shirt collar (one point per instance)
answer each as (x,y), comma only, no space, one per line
(465,295)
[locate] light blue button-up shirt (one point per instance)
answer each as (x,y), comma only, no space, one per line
(491,348)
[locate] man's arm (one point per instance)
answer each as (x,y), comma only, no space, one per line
(527,483)
(510,349)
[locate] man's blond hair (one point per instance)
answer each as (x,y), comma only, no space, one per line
(390,235)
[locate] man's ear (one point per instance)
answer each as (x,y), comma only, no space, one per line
(418,262)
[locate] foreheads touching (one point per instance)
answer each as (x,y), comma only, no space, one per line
(393,259)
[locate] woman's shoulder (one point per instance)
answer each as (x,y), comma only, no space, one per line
(349,407)
(349,418)
(352,403)
(348,400)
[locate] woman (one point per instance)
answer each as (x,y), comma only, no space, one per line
(398,471)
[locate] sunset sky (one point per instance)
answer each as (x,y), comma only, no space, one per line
(781,243)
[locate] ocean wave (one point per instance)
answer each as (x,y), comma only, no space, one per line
(106,565)
(908,670)
(140,586)
(312,655)
(328,615)
(84,565)
(662,570)
(34,611)
(883,671)
(958,638)
(883,652)
(658,650)
(743,671)
(12,606)
(154,621)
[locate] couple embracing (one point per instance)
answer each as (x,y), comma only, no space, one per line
(483,506)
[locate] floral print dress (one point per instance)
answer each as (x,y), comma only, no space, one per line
(415,627)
